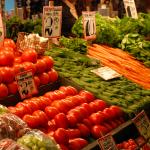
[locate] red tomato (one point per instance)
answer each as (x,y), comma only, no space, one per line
(77,114)
(13,110)
(69,103)
(108,126)
(83,111)
(63,147)
(61,136)
(12,87)
(72,120)
(40,66)
(77,100)
(53,75)
(77,144)
(71,90)
(88,108)
(51,112)
(27,109)
(44,78)
(87,95)
(84,130)
(117,110)
(6,58)
(52,125)
(100,104)
(32,104)
(113,124)
(62,106)
(45,100)
(29,66)
(98,131)
(73,133)
(108,114)
(32,121)
(49,62)
(8,74)
(9,43)
(36,81)
(60,94)
(64,89)
(18,60)
(96,118)
(61,121)
(42,117)
(3,90)
(51,95)
(87,122)
(93,107)
(29,55)
(18,68)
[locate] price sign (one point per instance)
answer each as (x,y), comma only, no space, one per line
(26,85)
(52,21)
(106,73)
(130,8)
(1,29)
(107,143)
(89,25)
(143,125)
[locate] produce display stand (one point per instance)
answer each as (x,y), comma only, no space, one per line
(14,99)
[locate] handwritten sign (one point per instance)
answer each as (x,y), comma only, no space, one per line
(106,73)
(130,8)
(1,29)
(52,21)
(107,143)
(143,125)
(26,85)
(89,25)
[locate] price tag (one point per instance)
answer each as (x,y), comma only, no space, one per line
(107,143)
(1,29)
(89,25)
(143,125)
(52,21)
(106,73)
(130,8)
(26,85)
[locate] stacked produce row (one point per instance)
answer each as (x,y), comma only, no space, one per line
(13,62)
(71,117)
(120,91)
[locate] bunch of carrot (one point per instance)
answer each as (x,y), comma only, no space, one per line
(121,62)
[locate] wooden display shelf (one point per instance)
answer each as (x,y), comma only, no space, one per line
(12,100)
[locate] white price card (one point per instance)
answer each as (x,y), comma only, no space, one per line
(106,73)
(130,8)
(26,84)
(52,21)
(143,124)
(1,29)
(89,25)
(107,143)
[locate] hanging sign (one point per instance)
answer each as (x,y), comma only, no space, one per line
(107,143)
(89,25)
(106,73)
(130,8)
(52,21)
(1,29)
(26,85)
(143,124)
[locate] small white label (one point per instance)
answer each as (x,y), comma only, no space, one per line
(107,143)
(106,73)
(89,25)
(143,124)
(52,21)
(26,85)
(130,8)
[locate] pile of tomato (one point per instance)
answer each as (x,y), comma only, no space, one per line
(69,116)
(13,62)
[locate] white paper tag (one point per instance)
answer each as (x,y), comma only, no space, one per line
(52,21)
(130,8)
(106,73)
(89,25)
